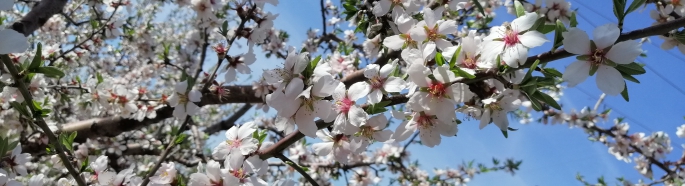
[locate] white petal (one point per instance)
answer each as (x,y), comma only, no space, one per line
(381,8)
(375,96)
(358,90)
(378,121)
(447,27)
(624,52)
(181,87)
(401,133)
(576,73)
(340,91)
(248,146)
(173,100)
(180,112)
(512,55)
(230,75)
(532,39)
(192,109)
(357,115)
(324,86)
(605,35)
(394,84)
(485,119)
(524,22)
(323,148)
(194,96)
(609,80)
(12,41)
(576,41)
(386,70)
(323,108)
(371,70)
(394,42)
(382,136)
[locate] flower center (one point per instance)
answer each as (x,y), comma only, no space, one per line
(432,33)
(437,89)
(511,38)
(337,139)
(408,41)
(345,104)
(376,82)
(424,121)
(233,143)
(495,106)
(597,57)
(469,62)
(366,131)
(240,174)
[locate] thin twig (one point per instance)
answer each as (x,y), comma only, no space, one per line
(164,154)
(599,102)
(28,99)
(297,168)
(323,17)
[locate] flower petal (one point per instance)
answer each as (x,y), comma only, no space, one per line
(358,90)
(576,41)
(605,35)
(576,73)
(524,22)
(609,80)
(624,52)
(532,39)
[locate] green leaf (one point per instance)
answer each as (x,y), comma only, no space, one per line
(316,61)
(545,29)
(461,73)
(439,59)
(547,99)
(36,105)
(529,74)
(479,6)
(50,71)
(38,59)
(20,108)
(453,61)
(558,37)
(635,5)
(619,8)
(631,68)
(181,138)
(504,132)
(593,69)
(99,77)
(377,108)
(629,77)
(574,21)
(552,72)
(520,11)
(624,94)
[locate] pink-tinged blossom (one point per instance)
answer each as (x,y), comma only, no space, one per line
(372,130)
(600,54)
(512,41)
(238,140)
(440,94)
(381,82)
(496,109)
(350,116)
(165,174)
(338,144)
(429,126)
(434,28)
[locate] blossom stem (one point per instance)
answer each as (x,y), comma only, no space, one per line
(28,99)
(164,154)
(297,168)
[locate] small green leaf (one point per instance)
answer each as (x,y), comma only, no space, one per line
(593,69)
(551,71)
(558,37)
(619,8)
(545,29)
(547,99)
(631,68)
(635,5)
(624,93)
(439,59)
(99,77)
(529,74)
(316,61)
(377,108)
(629,77)
(38,59)
(574,21)
(20,108)
(453,61)
(479,6)
(50,71)
(36,105)
(181,138)
(461,73)
(506,135)
(520,11)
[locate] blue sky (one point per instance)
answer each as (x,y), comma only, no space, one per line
(552,155)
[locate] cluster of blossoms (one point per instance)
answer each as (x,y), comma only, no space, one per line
(440,71)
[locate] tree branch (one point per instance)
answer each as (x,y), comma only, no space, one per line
(228,123)
(297,168)
(37,17)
